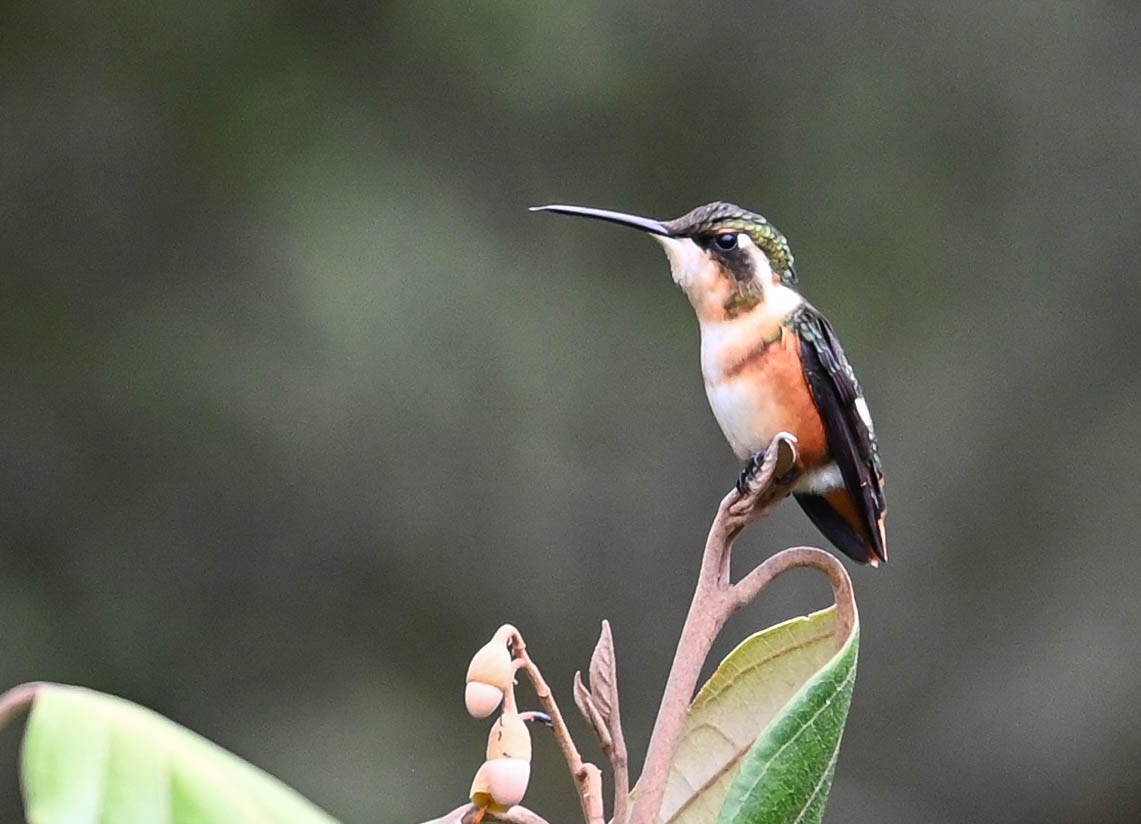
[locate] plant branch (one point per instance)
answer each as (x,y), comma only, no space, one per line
(716,599)
(17,701)
(745,590)
(599,706)
(587,778)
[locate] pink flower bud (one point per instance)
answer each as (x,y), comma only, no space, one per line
(500,783)
(481,699)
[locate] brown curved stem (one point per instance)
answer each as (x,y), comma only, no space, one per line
(749,587)
(587,777)
(716,599)
(17,701)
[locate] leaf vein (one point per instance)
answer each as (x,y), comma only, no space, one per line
(850,677)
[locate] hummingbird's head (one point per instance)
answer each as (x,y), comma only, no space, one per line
(726,259)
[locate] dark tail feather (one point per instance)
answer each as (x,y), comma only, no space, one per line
(837,529)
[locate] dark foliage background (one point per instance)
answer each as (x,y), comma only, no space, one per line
(299,402)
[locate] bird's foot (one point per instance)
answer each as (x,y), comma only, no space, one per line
(749,473)
(766,478)
(776,464)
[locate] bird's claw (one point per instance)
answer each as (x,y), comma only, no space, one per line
(767,477)
(749,473)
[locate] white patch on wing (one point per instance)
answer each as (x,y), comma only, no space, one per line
(819,481)
(864,412)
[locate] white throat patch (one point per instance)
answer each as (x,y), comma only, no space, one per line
(686,259)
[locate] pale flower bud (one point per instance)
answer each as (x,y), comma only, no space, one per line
(509,738)
(481,699)
(500,783)
(489,675)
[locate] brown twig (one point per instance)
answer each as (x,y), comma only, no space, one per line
(716,599)
(18,700)
(751,585)
(599,706)
(587,778)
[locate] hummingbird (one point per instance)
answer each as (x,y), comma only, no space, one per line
(772,363)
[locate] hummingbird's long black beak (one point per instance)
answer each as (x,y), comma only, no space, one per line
(646,224)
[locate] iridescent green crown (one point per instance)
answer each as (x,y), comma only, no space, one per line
(719,216)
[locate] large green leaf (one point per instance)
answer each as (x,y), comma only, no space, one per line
(787,774)
(90,757)
(761,737)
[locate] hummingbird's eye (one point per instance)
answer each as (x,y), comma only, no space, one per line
(726,242)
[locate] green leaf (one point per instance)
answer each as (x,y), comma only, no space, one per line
(761,737)
(787,774)
(96,758)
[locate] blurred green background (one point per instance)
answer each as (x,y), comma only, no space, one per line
(299,402)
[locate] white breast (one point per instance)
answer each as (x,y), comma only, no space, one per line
(779,302)
(742,409)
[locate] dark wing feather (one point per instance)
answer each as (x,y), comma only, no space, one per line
(851,439)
